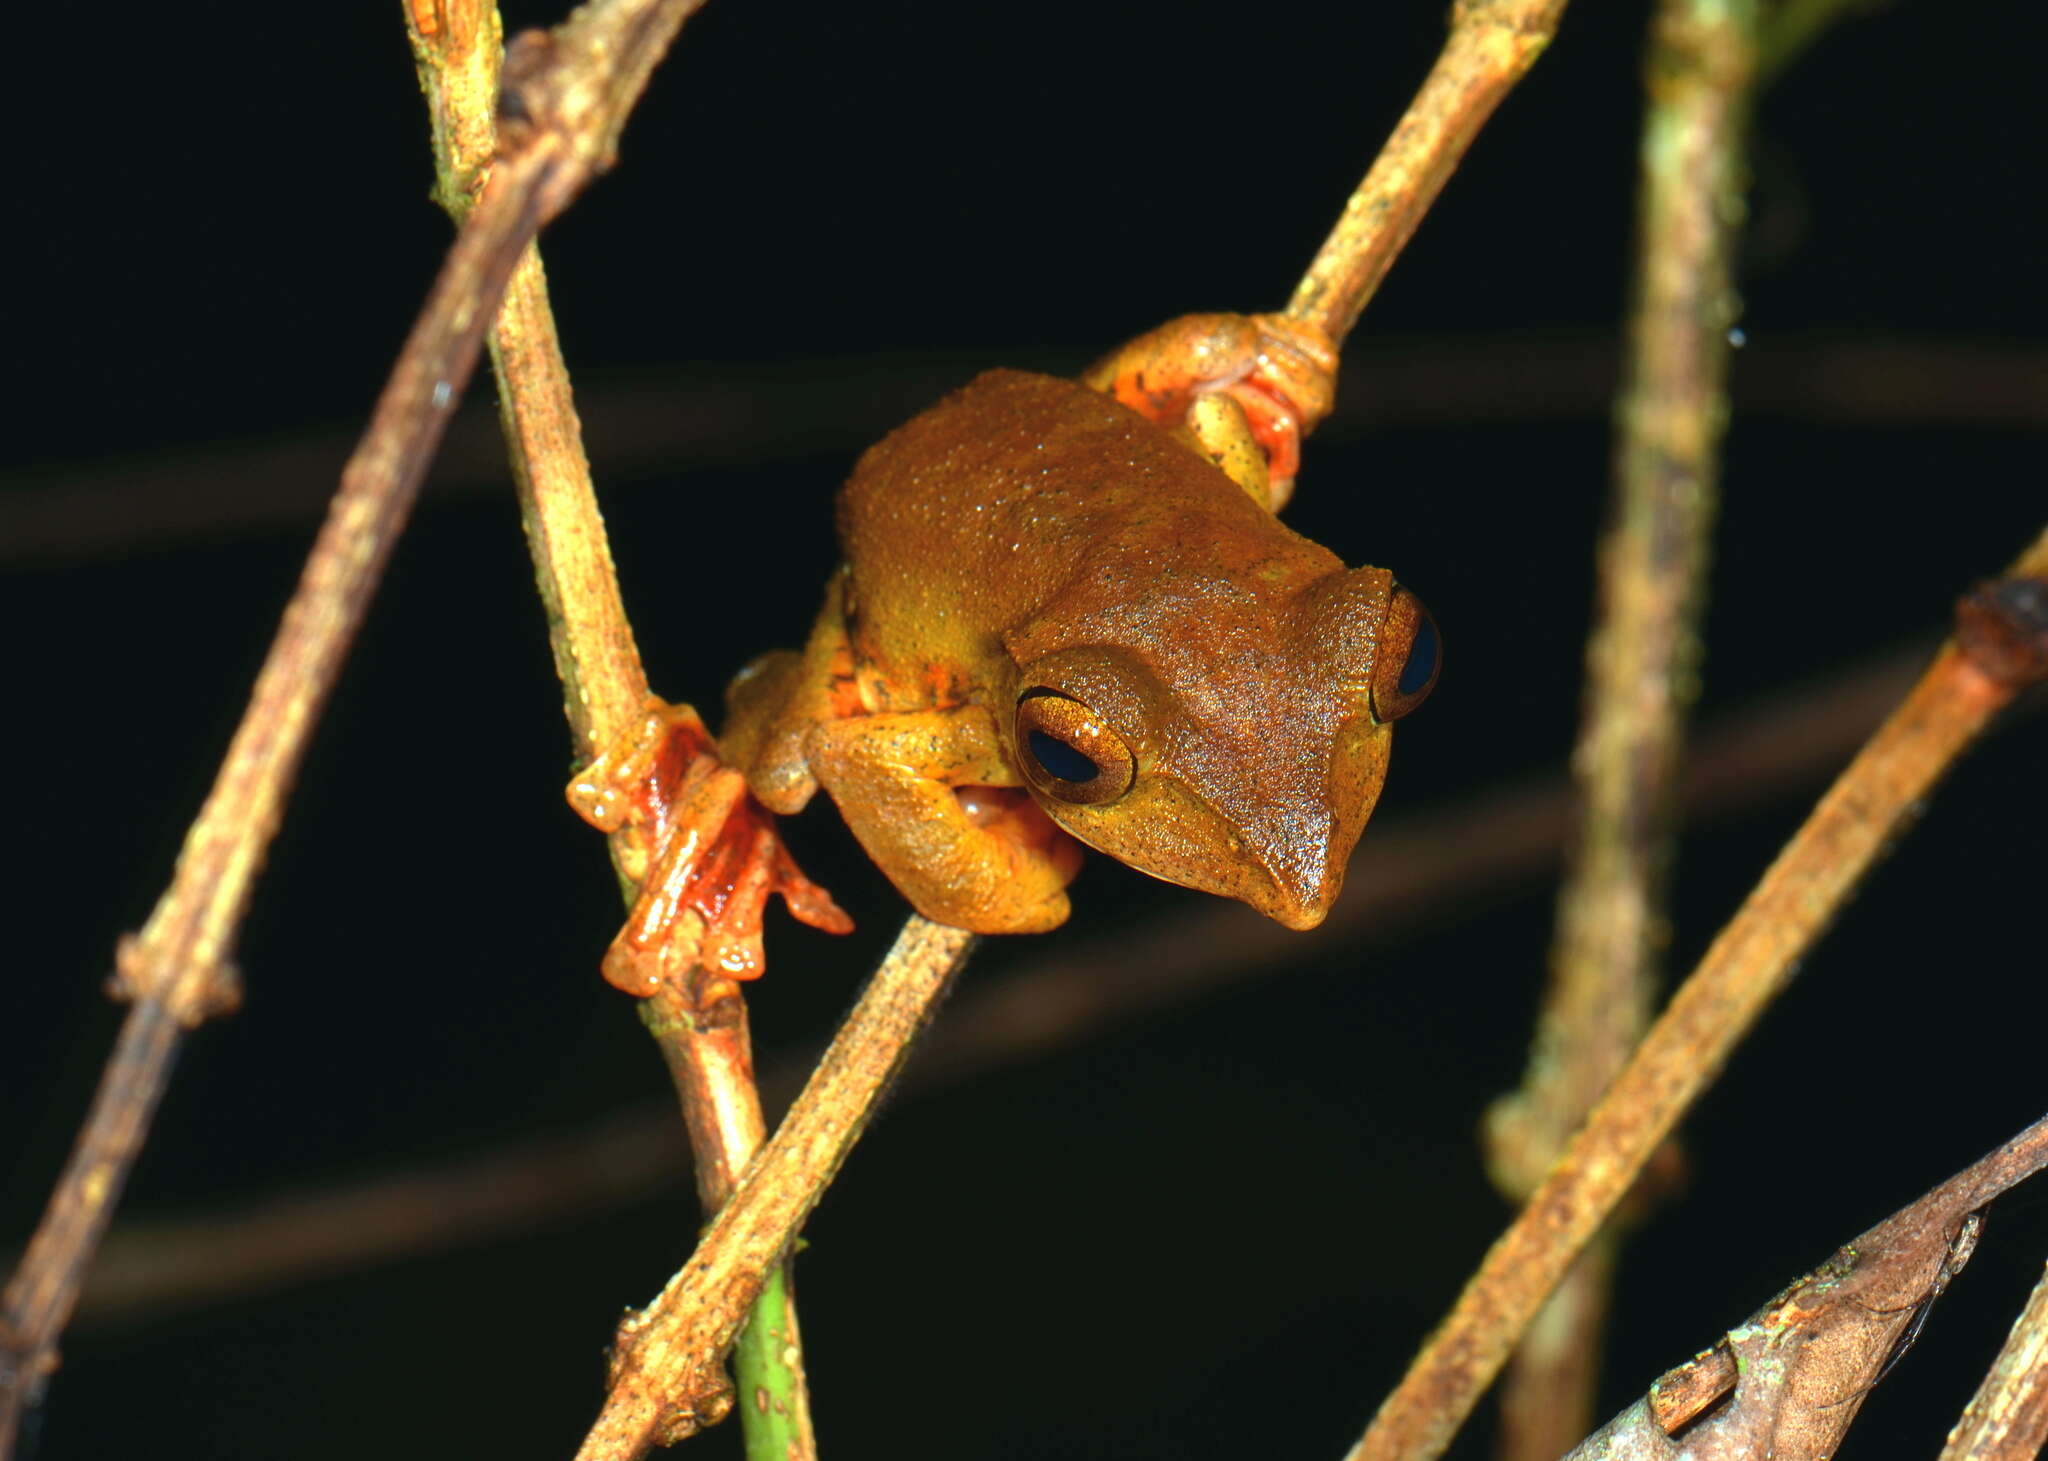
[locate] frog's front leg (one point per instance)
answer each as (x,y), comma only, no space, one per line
(933,799)
(773,704)
(1230,380)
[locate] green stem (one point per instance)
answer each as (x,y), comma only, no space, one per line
(768,1366)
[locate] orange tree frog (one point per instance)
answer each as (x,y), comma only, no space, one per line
(1067,612)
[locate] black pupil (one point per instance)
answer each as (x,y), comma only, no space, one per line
(1062,760)
(1421,663)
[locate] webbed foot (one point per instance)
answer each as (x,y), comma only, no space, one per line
(708,859)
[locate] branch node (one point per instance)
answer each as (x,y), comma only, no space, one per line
(208,991)
(697,1397)
(2002,626)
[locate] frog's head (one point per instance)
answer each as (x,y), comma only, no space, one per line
(1232,737)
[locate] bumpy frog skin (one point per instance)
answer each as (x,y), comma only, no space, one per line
(1044,590)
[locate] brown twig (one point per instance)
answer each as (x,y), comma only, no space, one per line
(1642,675)
(1492,45)
(574,90)
(1408,872)
(2007,1419)
(2001,645)
(701,1028)
(456,46)
(666,1380)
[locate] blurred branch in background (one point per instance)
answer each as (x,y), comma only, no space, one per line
(1642,676)
(1408,873)
(651,426)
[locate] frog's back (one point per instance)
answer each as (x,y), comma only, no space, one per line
(1021,490)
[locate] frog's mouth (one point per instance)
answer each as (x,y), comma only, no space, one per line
(1297,896)
(1285,861)
(1298,891)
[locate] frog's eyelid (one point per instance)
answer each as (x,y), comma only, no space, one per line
(1397,688)
(1425,656)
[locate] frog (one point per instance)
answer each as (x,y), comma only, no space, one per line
(1067,615)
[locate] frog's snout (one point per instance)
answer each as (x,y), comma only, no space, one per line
(1298,897)
(1298,848)
(1280,849)
(1301,915)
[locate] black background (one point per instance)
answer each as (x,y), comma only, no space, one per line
(1218,1232)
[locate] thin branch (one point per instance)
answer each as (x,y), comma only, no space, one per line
(1492,45)
(701,1029)
(1642,673)
(2007,1419)
(2001,645)
(666,1380)
(573,92)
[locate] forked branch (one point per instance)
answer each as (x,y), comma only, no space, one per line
(1642,673)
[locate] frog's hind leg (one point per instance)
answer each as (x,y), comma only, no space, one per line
(924,792)
(1278,374)
(773,703)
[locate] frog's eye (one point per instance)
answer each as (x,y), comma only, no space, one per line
(1070,754)
(1410,654)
